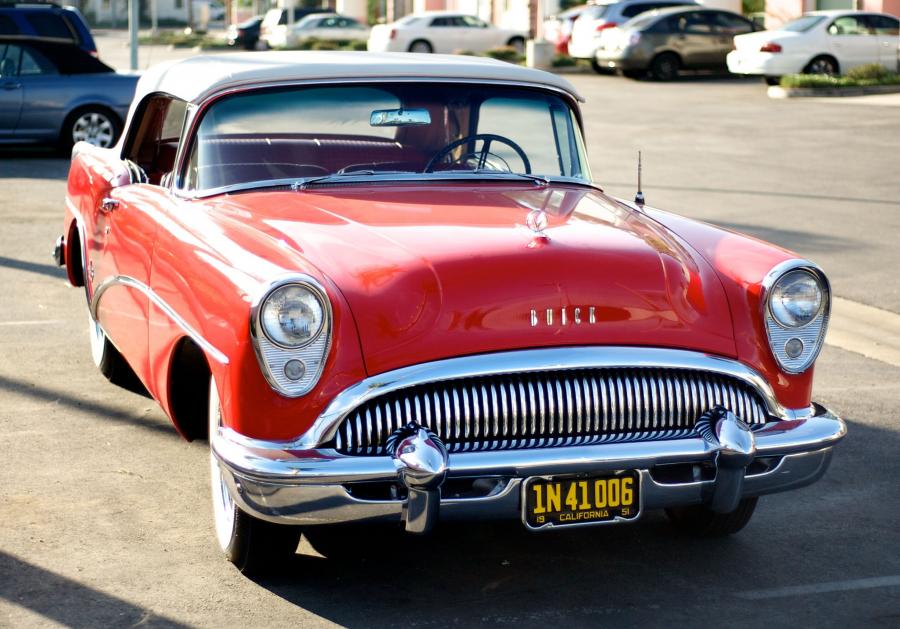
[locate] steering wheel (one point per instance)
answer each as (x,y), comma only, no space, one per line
(483,154)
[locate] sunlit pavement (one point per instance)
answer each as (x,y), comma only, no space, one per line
(105,514)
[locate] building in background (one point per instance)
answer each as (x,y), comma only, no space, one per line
(780,11)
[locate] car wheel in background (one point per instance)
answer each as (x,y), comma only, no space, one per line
(93,124)
(665,67)
(634,74)
(599,69)
(701,521)
(823,64)
(420,45)
(110,362)
(253,546)
(772,80)
(518,43)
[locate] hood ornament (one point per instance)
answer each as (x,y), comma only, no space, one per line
(537,221)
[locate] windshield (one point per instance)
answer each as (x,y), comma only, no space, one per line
(802,24)
(368,130)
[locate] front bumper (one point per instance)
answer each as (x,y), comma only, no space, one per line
(319,486)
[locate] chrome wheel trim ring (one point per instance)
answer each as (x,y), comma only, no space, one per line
(223,505)
(94,128)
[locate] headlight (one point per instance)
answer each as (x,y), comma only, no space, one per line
(292,316)
(796,299)
(797,304)
(290,325)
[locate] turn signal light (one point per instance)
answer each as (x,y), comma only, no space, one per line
(605,25)
(770,47)
(393,33)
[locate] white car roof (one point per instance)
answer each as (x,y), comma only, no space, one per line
(197,78)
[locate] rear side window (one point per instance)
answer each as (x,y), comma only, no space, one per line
(634,9)
(47,24)
(35,63)
(8,26)
(883,25)
(732,24)
(847,25)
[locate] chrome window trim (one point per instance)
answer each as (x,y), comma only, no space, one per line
(130,282)
(823,316)
(195,111)
(258,335)
(522,361)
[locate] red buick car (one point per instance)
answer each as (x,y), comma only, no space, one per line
(388,289)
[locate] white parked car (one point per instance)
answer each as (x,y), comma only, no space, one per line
(819,42)
(327,26)
(588,29)
(442,31)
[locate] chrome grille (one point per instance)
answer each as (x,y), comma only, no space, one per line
(553,408)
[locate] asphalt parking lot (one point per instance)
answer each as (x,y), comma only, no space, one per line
(105,511)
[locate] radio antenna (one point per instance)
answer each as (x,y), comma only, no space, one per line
(639,197)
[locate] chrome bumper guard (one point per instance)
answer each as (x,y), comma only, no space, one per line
(315,486)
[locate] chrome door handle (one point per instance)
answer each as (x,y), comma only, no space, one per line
(108,205)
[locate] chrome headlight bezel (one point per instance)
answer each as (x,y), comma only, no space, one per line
(273,356)
(810,334)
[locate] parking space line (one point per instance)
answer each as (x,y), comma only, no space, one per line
(865,330)
(822,588)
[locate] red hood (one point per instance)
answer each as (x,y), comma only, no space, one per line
(451,270)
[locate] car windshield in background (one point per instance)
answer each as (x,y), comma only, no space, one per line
(802,24)
(418,130)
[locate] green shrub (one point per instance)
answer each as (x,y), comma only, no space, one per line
(869,71)
(563,61)
(325,45)
(358,44)
(849,80)
(505,53)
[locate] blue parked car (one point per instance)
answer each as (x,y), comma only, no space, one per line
(54,92)
(48,21)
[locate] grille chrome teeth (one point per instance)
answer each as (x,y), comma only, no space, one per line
(544,409)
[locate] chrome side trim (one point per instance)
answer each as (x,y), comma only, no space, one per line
(130,282)
(522,361)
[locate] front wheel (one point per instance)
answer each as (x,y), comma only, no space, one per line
(253,546)
(665,67)
(822,65)
(599,69)
(772,80)
(518,44)
(92,124)
(701,521)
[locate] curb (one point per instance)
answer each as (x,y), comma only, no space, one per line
(776,91)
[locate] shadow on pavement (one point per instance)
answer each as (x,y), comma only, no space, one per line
(103,411)
(32,267)
(67,602)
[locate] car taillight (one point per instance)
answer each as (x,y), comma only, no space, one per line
(605,25)
(393,34)
(94,54)
(770,47)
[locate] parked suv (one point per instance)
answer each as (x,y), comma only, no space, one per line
(48,21)
(605,14)
(666,41)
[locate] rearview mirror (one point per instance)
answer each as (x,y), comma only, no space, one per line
(399,117)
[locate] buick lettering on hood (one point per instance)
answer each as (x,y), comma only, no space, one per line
(387,289)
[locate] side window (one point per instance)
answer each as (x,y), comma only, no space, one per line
(441,21)
(732,24)
(10,55)
(635,9)
(153,141)
(883,25)
(697,24)
(48,24)
(8,26)
(847,25)
(35,63)
(473,22)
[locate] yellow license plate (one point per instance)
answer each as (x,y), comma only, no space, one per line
(572,501)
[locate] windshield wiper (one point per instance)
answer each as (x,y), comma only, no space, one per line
(303,184)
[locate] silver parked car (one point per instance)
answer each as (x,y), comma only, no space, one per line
(53,92)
